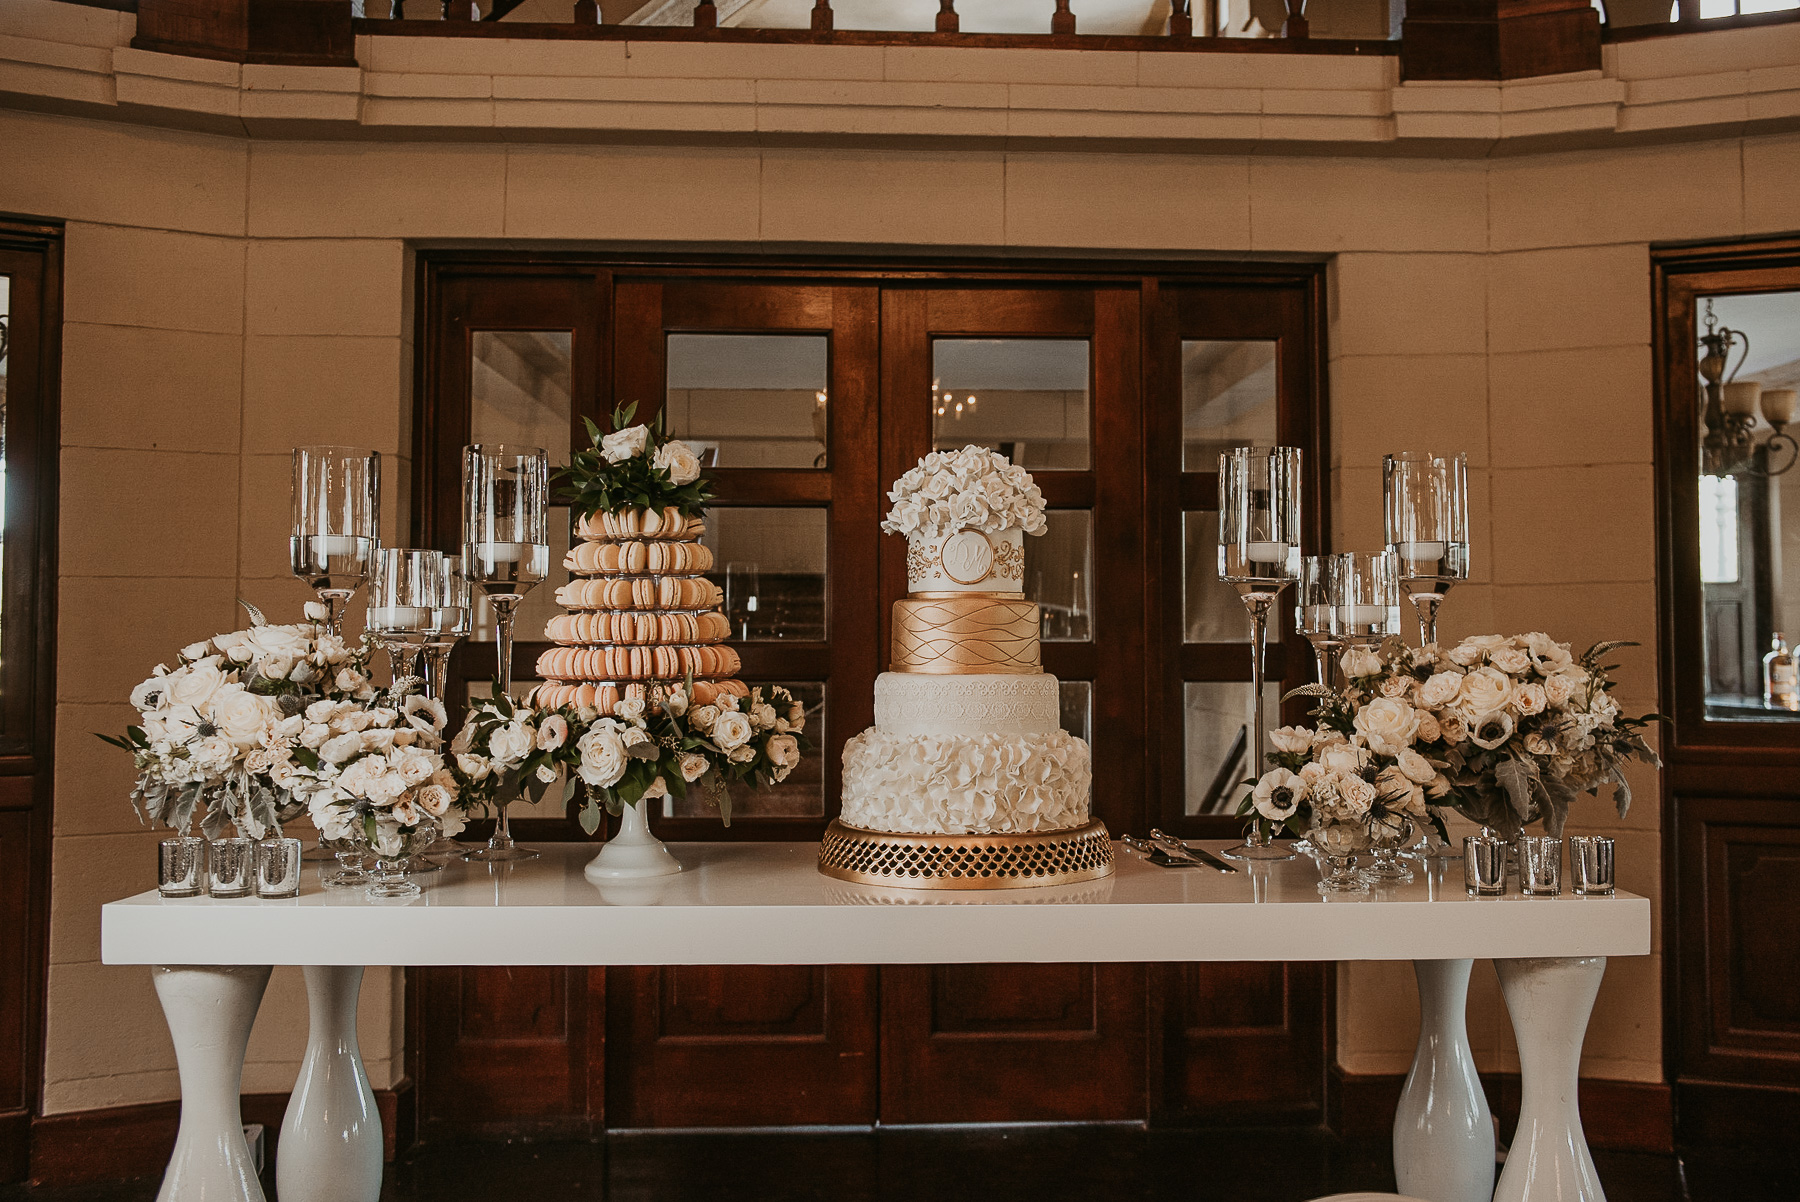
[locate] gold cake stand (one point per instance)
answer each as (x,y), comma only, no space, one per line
(1083,853)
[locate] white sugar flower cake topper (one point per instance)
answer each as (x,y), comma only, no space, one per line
(970,489)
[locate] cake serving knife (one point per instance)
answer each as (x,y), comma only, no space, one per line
(1188,849)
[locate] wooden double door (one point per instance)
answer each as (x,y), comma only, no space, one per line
(809,387)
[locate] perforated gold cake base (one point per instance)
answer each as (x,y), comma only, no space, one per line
(966,861)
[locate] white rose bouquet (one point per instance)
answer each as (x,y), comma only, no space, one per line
(1505,730)
(973,488)
(634,465)
(372,772)
(223,733)
(636,753)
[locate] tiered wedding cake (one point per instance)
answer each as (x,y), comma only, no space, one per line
(640,610)
(967,778)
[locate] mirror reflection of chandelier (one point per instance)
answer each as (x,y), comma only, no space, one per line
(943,404)
(1729,447)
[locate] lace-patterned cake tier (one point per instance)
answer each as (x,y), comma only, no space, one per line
(970,635)
(909,703)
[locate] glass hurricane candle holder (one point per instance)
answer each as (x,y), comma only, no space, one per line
(1426,504)
(1365,597)
(1315,613)
(403,609)
(337,521)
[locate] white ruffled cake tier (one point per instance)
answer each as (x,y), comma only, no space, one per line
(985,784)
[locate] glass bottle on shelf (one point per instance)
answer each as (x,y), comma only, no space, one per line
(1781,689)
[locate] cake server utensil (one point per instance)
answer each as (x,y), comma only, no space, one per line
(1177,847)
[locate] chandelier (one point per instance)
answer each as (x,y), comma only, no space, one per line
(1729,446)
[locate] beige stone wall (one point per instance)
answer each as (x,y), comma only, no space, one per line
(228,298)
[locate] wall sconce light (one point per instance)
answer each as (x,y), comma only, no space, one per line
(1729,447)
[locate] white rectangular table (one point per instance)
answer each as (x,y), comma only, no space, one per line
(766,903)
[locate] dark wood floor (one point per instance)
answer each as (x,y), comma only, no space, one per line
(1042,1164)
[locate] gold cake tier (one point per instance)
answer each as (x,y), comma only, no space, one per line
(966,861)
(966,634)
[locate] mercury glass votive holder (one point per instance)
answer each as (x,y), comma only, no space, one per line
(1484,865)
(1540,865)
(278,868)
(1591,865)
(181,867)
(232,867)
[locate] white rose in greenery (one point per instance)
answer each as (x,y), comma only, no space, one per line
(693,767)
(289,641)
(349,680)
(546,773)
(414,765)
(1440,690)
(1358,794)
(435,800)
(1429,730)
(741,754)
(241,715)
(1399,790)
(1417,768)
(702,717)
(552,732)
(677,459)
(1452,728)
(1491,730)
(1559,689)
(342,747)
(1360,662)
(659,788)
(1483,691)
(1278,795)
(1530,698)
(634,736)
(625,444)
(510,743)
(731,731)
(317,611)
(314,735)
(1341,758)
(631,709)
(603,758)
(195,651)
(677,701)
(472,766)
(1510,660)
(783,751)
(1388,723)
(195,684)
(1292,740)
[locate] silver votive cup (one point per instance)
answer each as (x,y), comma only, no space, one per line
(278,868)
(1540,865)
(232,867)
(181,867)
(1591,864)
(1484,865)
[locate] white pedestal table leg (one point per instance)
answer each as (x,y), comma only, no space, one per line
(1443,1134)
(1550,1000)
(210,1010)
(331,1146)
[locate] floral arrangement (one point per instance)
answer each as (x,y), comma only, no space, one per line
(639,752)
(375,774)
(221,734)
(973,489)
(634,465)
(1505,730)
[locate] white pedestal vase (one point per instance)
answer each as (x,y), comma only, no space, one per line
(1550,1000)
(331,1146)
(1443,1133)
(210,1010)
(632,853)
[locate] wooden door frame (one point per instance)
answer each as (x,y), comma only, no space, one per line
(1727,774)
(34,394)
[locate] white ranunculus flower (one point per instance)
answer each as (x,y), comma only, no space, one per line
(625,444)
(1388,723)
(510,743)
(731,731)
(677,459)
(1440,690)
(1359,662)
(1530,698)
(1452,728)
(603,758)
(1483,691)
(1417,768)
(1510,660)
(1278,795)
(1292,740)
(1429,730)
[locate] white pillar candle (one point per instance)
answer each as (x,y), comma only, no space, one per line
(503,552)
(1263,552)
(1414,552)
(399,617)
(325,545)
(1364,615)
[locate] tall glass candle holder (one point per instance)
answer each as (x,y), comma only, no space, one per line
(1315,613)
(337,521)
(1426,499)
(450,625)
(1365,597)
(1259,552)
(506,553)
(403,603)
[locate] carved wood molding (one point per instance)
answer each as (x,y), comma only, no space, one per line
(307,33)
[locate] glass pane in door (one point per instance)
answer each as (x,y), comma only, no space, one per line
(1749,519)
(1058,569)
(751,400)
(1211,610)
(771,565)
(1216,729)
(1024,397)
(5,360)
(1227,399)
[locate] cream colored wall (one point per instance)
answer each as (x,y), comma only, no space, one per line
(228,298)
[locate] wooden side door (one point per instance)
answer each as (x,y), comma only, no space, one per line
(1232,362)
(30,322)
(1055,375)
(776,384)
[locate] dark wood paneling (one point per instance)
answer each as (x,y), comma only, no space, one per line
(742,1046)
(988,1043)
(294,32)
(1497,39)
(510,1050)
(1241,1042)
(19,984)
(1617,1116)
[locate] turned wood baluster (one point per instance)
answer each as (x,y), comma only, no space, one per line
(706,16)
(587,12)
(821,15)
(1062,20)
(1296,26)
(1181,20)
(946,19)
(397,10)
